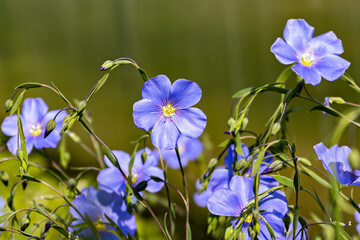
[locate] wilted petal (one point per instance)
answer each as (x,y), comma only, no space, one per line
(190,121)
(298,33)
(332,67)
(146,113)
(283,52)
(309,74)
(157,89)
(165,134)
(34,110)
(225,202)
(185,93)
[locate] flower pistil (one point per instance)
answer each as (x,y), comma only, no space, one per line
(168,110)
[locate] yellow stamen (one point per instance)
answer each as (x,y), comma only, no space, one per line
(307,59)
(35,130)
(100,226)
(134,177)
(168,110)
(248,218)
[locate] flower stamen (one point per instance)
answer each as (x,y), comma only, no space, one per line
(307,59)
(248,219)
(35,130)
(168,110)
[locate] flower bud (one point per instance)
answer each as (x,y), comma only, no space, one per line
(231,122)
(8,105)
(50,126)
(47,226)
(275,128)
(141,186)
(74,137)
(20,155)
(25,222)
(213,163)
(276,165)
(156,179)
(24,185)
(245,122)
(72,183)
(228,232)
(337,100)
(106,65)
(4,178)
(81,106)
(305,162)
(143,156)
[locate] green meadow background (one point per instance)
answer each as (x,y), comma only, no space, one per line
(224,46)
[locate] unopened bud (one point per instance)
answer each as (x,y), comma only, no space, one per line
(50,126)
(4,178)
(24,185)
(141,186)
(74,137)
(245,122)
(72,183)
(337,100)
(213,163)
(25,222)
(8,105)
(240,164)
(81,106)
(275,128)
(305,162)
(20,155)
(228,232)
(156,179)
(231,122)
(276,165)
(143,156)
(106,65)
(47,226)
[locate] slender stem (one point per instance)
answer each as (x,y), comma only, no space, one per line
(186,191)
(164,168)
(89,129)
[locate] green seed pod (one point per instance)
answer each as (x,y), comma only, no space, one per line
(305,162)
(8,105)
(25,222)
(231,122)
(245,122)
(50,126)
(337,100)
(275,128)
(74,137)
(106,65)
(141,186)
(72,183)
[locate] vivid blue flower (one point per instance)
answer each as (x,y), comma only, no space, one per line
(315,57)
(34,116)
(189,149)
(166,109)
(336,162)
(2,208)
(110,179)
(234,200)
(96,204)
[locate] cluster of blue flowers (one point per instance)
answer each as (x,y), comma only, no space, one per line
(165,112)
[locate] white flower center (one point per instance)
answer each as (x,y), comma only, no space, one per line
(307,59)
(35,129)
(168,110)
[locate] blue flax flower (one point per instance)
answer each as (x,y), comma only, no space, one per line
(336,162)
(110,179)
(234,200)
(189,149)
(166,109)
(315,57)
(2,207)
(96,204)
(34,116)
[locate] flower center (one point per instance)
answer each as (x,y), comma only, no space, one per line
(307,59)
(99,225)
(134,177)
(168,110)
(248,218)
(35,130)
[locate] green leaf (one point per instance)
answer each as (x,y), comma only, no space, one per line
(4,217)
(61,230)
(226,143)
(24,163)
(284,75)
(327,110)
(17,103)
(287,182)
(91,225)
(39,209)
(60,94)
(269,228)
(27,177)
(97,86)
(258,160)
(316,177)
(165,226)
(64,155)
(243,92)
(30,85)
(238,147)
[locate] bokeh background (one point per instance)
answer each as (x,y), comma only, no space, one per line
(222,45)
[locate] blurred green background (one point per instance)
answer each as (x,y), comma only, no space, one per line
(222,45)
